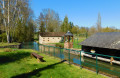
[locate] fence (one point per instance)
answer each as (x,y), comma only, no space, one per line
(83,59)
(87,60)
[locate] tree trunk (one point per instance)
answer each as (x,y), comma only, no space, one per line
(8,32)
(8,37)
(6,29)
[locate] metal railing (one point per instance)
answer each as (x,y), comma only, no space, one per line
(97,62)
(87,60)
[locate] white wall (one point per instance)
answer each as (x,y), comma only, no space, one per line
(43,40)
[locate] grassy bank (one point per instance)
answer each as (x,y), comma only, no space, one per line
(8,44)
(19,64)
(59,45)
(77,42)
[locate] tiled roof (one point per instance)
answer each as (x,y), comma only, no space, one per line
(52,34)
(109,40)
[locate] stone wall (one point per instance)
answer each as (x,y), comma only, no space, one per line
(44,40)
(68,45)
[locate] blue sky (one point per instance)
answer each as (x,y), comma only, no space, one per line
(82,12)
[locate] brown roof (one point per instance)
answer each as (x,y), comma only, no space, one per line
(52,34)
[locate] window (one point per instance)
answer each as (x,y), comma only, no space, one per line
(53,38)
(58,38)
(43,40)
(48,40)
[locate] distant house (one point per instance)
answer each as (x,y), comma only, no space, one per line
(107,43)
(50,37)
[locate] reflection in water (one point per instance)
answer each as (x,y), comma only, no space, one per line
(30,45)
(60,56)
(36,46)
(76,61)
(102,66)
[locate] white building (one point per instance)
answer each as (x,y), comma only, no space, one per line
(50,37)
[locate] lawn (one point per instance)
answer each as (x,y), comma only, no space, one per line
(77,41)
(19,64)
(36,38)
(7,44)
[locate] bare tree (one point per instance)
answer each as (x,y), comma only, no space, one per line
(92,30)
(51,20)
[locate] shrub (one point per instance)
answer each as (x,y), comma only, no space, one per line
(7,49)
(59,45)
(62,39)
(0,38)
(3,37)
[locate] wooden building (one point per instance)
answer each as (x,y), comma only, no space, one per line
(68,43)
(107,43)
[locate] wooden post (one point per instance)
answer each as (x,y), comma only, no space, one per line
(38,60)
(68,42)
(111,59)
(68,39)
(31,55)
(72,38)
(64,38)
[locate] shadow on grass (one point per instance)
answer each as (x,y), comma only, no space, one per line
(12,57)
(36,71)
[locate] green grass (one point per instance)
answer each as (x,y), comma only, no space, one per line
(59,45)
(1,49)
(7,44)
(76,42)
(19,64)
(36,38)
